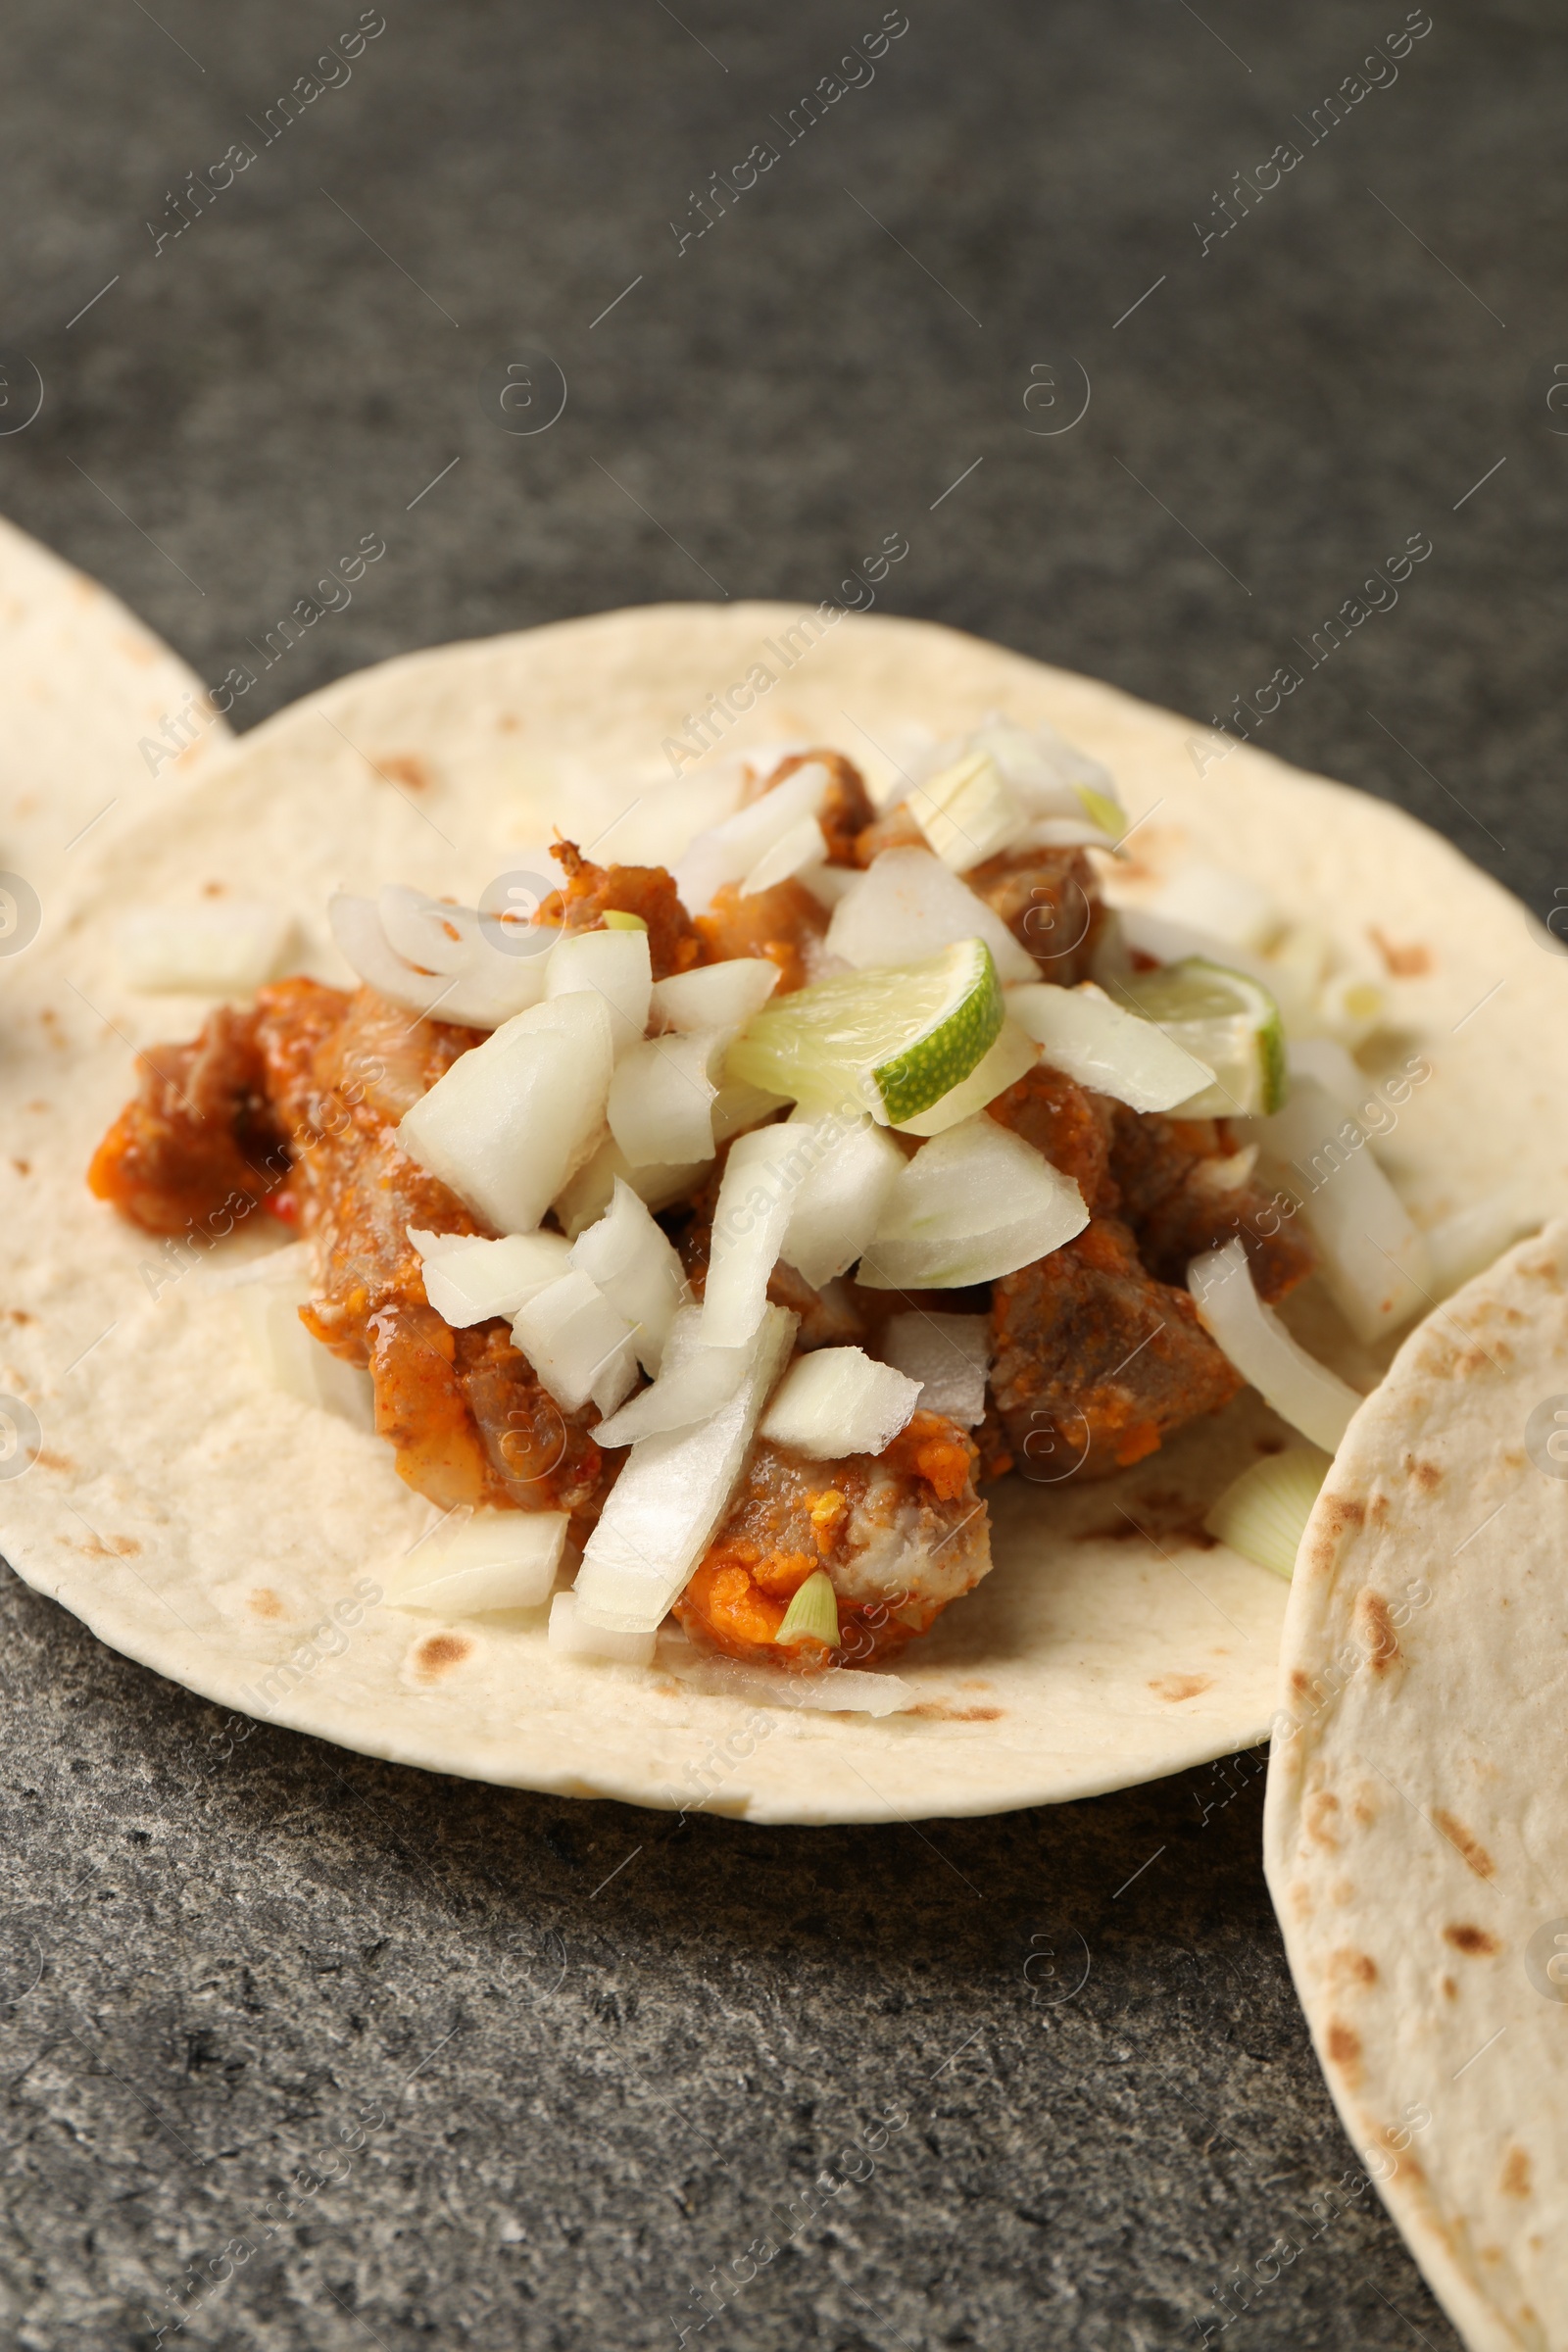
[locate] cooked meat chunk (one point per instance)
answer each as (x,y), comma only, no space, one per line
(896,829)
(1070,1126)
(200,1135)
(590,892)
(785,924)
(544,1460)
(1179,1192)
(900,1535)
(421,1408)
(1050,901)
(845,808)
(1095,1362)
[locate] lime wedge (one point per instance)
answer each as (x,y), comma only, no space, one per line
(894,1041)
(1228,1021)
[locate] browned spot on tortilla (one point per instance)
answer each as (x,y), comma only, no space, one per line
(1344,2049)
(1516,2174)
(24,1167)
(938,1713)
(125,1545)
(1377,1631)
(1468,1847)
(1299,1682)
(18,1314)
(1268,1444)
(1469,1939)
(404,767)
(1424,1474)
(110,1547)
(266,1603)
(1359,1966)
(214,889)
(1343,1511)
(437,1653)
(1451,1989)
(35,1106)
(1162,1533)
(1514,1458)
(1364,1812)
(1177,1686)
(1401,964)
(1317,1816)
(1378,1509)
(976,1682)
(47,1459)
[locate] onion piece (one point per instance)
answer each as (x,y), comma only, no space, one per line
(967,811)
(573,1635)
(739,1104)
(836,1205)
(730,851)
(637,1268)
(1089,1036)
(950,1355)
(296,1362)
(1374,1260)
(717,996)
(225,950)
(805,844)
(660,1098)
(1226,906)
(616,965)
(1263,1514)
(577,1342)
(1466,1243)
(662,1510)
(695,1381)
(1049,777)
(428,932)
(1012,1056)
(837,1401)
(909,905)
(511,1119)
(469,1279)
(975,1203)
(488,1560)
(1302,1391)
(585,1199)
(755,1197)
(489,989)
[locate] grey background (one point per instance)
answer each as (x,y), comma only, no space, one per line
(222,1947)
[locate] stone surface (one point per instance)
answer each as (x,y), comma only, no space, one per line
(574,2062)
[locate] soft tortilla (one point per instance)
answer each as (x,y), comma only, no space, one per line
(1413,1830)
(208,1526)
(88,693)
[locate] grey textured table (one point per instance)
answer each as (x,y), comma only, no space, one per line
(576,2061)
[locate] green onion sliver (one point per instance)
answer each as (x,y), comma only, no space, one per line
(814,1614)
(1263,1513)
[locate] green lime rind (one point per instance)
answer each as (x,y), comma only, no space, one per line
(912,1031)
(1225,1018)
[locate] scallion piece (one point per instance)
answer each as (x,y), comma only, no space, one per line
(814,1614)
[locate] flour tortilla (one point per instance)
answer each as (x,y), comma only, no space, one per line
(209,1526)
(84,687)
(1414,1830)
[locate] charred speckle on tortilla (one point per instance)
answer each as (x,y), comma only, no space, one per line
(929,1004)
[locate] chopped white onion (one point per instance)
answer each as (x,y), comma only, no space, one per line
(802,844)
(837,1401)
(637,1268)
(731,851)
(487,1560)
(850,1170)
(1227,906)
(467,1279)
(828,884)
(1467,1243)
(907,905)
(967,811)
(221,950)
(950,1355)
(717,996)
(738,1104)
(425,931)
(695,1380)
(296,1362)
(1137,929)
(756,1195)
(615,965)
(588,1194)
(577,1342)
(1011,1058)
(489,987)
(1046,773)
(512,1119)
(573,1635)
(673,1489)
(1329,1062)
(1374,1260)
(1085,1034)
(975,1203)
(662,1096)
(1302,1391)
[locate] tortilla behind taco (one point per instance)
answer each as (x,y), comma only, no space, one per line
(245,1543)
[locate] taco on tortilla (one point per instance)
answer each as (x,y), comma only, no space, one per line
(870,1165)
